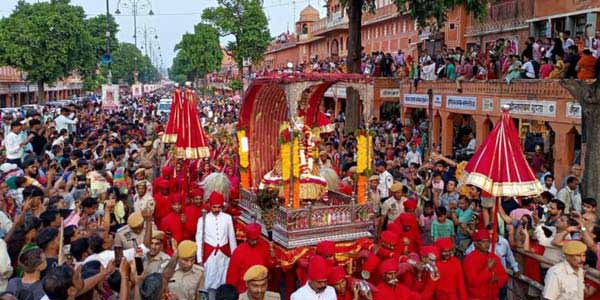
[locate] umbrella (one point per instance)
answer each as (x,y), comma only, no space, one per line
(192,142)
(174,122)
(499,166)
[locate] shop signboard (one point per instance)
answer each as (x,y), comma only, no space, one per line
(422,100)
(461,102)
(531,107)
(573,110)
(110,96)
(389,93)
(488,104)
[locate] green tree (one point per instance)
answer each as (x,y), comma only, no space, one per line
(201,51)
(181,71)
(48,40)
(247,22)
(428,13)
(127,59)
(97,26)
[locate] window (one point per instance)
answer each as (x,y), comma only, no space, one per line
(403,25)
(452,26)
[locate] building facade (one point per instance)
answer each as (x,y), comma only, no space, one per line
(14,91)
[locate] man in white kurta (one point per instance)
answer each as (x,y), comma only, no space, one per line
(219,242)
(316,287)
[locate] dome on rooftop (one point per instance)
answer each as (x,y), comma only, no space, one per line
(309,14)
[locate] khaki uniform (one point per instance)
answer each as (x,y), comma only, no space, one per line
(186,285)
(157,263)
(392,208)
(268,296)
(125,236)
(148,161)
(562,282)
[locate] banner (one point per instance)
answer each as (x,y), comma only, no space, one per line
(531,107)
(110,96)
(136,90)
(461,102)
(488,104)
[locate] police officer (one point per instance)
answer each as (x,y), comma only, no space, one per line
(134,230)
(188,279)
(156,260)
(256,281)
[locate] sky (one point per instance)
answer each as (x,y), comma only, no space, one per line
(173,18)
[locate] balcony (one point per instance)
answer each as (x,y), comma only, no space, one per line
(504,16)
(334,21)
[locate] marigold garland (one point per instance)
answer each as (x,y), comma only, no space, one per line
(286,162)
(362,149)
(361,190)
(296,151)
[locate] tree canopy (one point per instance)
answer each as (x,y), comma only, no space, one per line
(127,58)
(97,26)
(434,13)
(200,51)
(48,40)
(247,22)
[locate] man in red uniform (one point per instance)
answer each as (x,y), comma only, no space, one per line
(254,251)
(451,285)
(166,173)
(387,245)
(369,269)
(325,249)
(192,213)
(389,288)
(174,221)
(162,205)
(427,277)
(484,273)
(410,229)
(337,279)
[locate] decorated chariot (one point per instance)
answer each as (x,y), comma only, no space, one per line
(281,130)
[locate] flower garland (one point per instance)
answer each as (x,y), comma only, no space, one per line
(364,149)
(296,149)
(285,151)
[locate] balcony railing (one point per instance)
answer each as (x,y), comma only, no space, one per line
(503,16)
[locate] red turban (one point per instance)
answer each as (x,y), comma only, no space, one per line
(407,219)
(395,227)
(175,198)
(253,231)
(337,274)
(196,193)
(326,248)
(370,265)
(444,243)
(410,204)
(426,250)
(480,235)
(389,237)
(318,268)
(388,265)
(162,183)
(216,199)
(167,171)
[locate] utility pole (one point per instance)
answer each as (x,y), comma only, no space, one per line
(108,33)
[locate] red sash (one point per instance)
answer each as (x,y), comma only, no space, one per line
(208,250)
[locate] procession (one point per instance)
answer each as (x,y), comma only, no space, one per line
(314,164)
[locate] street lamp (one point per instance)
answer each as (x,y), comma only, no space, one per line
(137,7)
(145,32)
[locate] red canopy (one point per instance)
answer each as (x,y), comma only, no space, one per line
(174,122)
(192,142)
(499,166)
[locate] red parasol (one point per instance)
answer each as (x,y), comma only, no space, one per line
(499,166)
(174,122)
(191,139)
